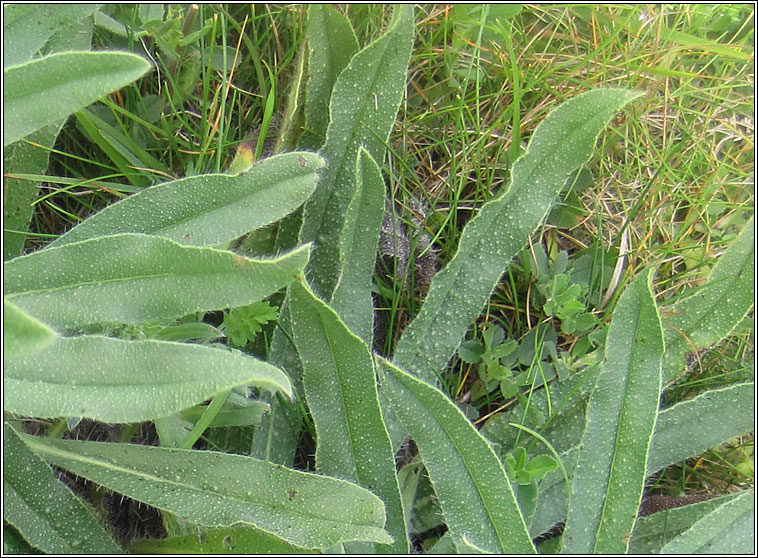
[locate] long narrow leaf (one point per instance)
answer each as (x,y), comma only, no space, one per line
(729,529)
(331,45)
(710,314)
(220,490)
(621,414)
(363,108)
(560,144)
(470,483)
(44,90)
(352,299)
(135,278)
(126,381)
(43,510)
(721,414)
(209,209)
(653,532)
(340,387)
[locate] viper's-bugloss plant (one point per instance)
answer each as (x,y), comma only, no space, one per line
(205,345)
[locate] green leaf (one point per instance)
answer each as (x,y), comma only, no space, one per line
(42,509)
(352,298)
(720,415)
(139,278)
(241,539)
(340,387)
(112,380)
(220,490)
(710,314)
(19,194)
(728,529)
(252,413)
(22,333)
(27,27)
(45,90)
(472,487)
(209,209)
(363,108)
(560,144)
(610,474)
(331,45)
(651,533)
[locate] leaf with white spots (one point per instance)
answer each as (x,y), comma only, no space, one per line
(44,90)
(340,387)
(220,490)
(363,108)
(472,487)
(43,509)
(209,209)
(135,278)
(560,144)
(22,333)
(113,380)
(711,313)
(621,414)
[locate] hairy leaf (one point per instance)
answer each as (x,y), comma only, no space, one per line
(113,380)
(135,278)
(559,145)
(220,490)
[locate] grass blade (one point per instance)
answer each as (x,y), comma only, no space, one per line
(45,90)
(560,144)
(471,485)
(139,278)
(209,209)
(340,387)
(22,333)
(113,380)
(352,298)
(710,314)
(729,529)
(621,415)
(220,490)
(44,511)
(363,108)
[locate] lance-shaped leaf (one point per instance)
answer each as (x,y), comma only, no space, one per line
(219,490)
(352,299)
(728,529)
(560,144)
(612,463)
(135,278)
(720,415)
(45,90)
(340,387)
(43,510)
(209,209)
(113,380)
(471,485)
(363,108)
(22,333)
(331,45)
(710,314)
(653,532)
